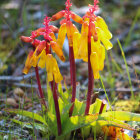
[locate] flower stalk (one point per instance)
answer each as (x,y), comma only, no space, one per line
(90,76)
(55,97)
(41,95)
(73,77)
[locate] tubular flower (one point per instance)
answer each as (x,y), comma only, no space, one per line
(52,69)
(67,27)
(95,28)
(41,53)
(27,63)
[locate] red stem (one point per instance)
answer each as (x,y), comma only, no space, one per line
(55,97)
(73,77)
(102,107)
(39,88)
(90,77)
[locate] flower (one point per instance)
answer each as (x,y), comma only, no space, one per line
(27,63)
(52,69)
(41,55)
(67,26)
(94,33)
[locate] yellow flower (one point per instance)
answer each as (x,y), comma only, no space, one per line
(76,40)
(61,35)
(27,63)
(48,61)
(52,69)
(37,52)
(83,46)
(57,50)
(42,60)
(97,29)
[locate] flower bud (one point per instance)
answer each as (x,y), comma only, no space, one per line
(93,31)
(26,39)
(84,29)
(57,50)
(52,36)
(39,30)
(58,15)
(76,18)
(63,21)
(54,28)
(40,48)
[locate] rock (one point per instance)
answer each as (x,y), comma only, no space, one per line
(11,102)
(19,92)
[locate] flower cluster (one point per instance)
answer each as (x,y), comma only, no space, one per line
(93,28)
(88,45)
(69,26)
(94,31)
(41,55)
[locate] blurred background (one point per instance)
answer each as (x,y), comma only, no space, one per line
(20,17)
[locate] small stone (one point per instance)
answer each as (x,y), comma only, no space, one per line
(11,101)
(19,92)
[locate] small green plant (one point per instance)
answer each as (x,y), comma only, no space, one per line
(65,114)
(98,120)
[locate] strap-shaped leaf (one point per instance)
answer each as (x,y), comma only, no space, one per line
(28,114)
(76,122)
(79,108)
(37,126)
(99,124)
(120,115)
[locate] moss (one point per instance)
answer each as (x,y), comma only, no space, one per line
(128,105)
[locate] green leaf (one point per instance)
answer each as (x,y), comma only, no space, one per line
(99,124)
(52,123)
(65,113)
(79,108)
(64,95)
(61,105)
(51,106)
(37,126)
(120,115)
(76,122)
(91,109)
(97,106)
(85,131)
(28,114)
